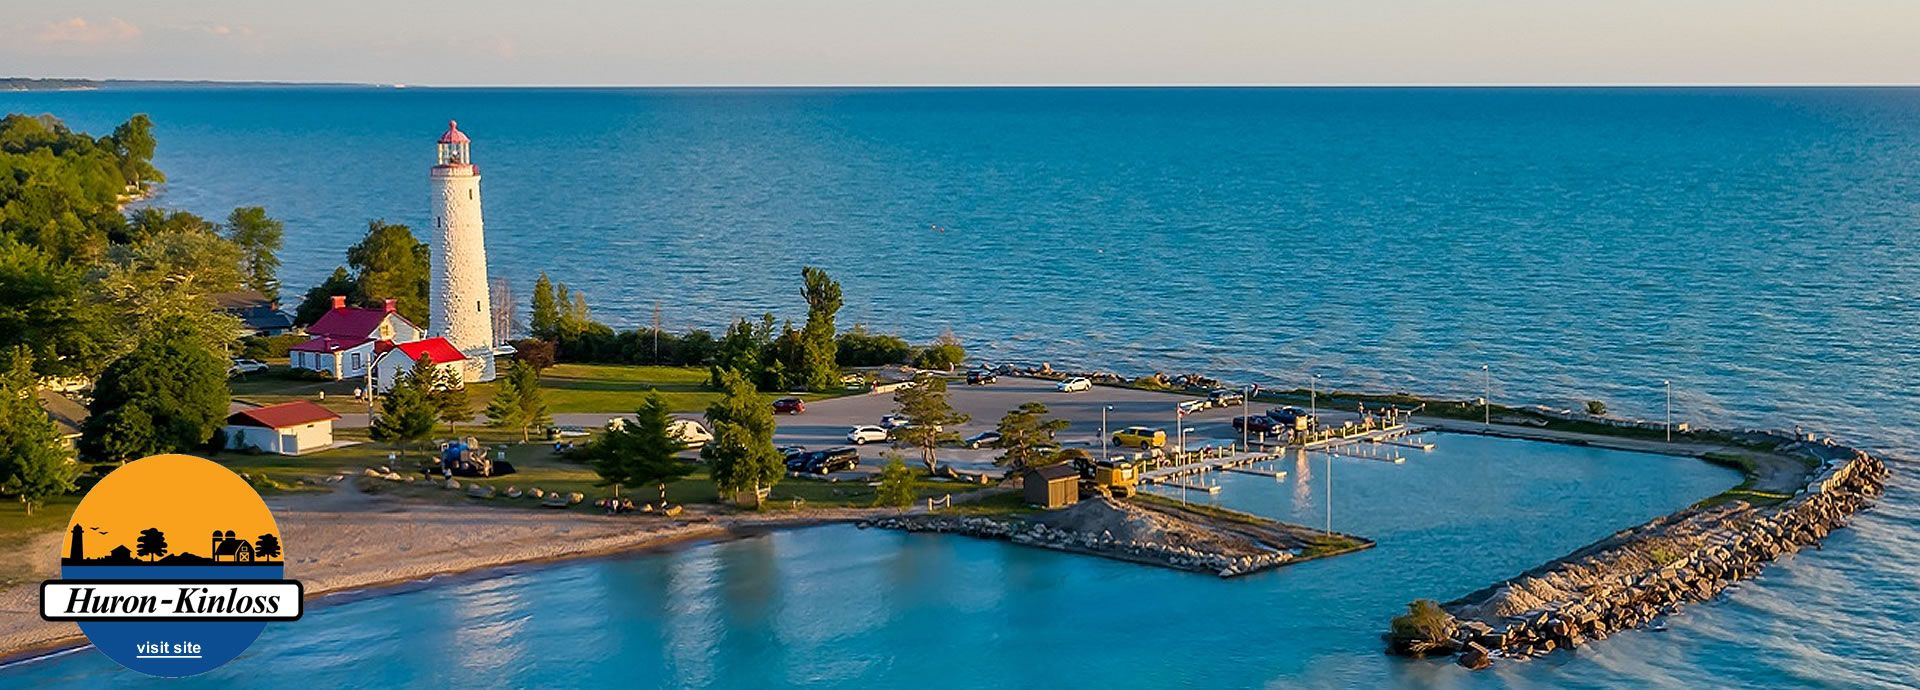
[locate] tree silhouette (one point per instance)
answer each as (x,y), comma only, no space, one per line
(153,543)
(267,546)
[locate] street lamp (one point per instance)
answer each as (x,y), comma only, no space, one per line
(1486,399)
(1313,405)
(1669,384)
(1246,396)
(1103,430)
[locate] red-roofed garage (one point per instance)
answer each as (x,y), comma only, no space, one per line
(288,428)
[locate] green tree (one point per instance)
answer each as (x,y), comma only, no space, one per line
(945,353)
(820,370)
(518,402)
(925,402)
(34,464)
(744,350)
(407,412)
(60,190)
(47,308)
(1024,431)
(152,543)
(391,263)
(859,347)
(266,546)
(259,238)
(642,451)
(319,298)
(166,279)
(545,321)
(448,393)
(133,144)
(169,394)
(896,484)
(741,454)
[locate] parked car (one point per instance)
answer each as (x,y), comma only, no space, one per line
(982,439)
(1140,437)
(862,435)
(981,377)
(245,366)
(1258,423)
(831,460)
(1226,396)
(789,451)
(894,421)
(689,432)
(1074,385)
(789,406)
(1291,417)
(1192,406)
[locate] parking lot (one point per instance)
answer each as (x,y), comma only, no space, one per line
(825,423)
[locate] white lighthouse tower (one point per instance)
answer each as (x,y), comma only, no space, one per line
(462,311)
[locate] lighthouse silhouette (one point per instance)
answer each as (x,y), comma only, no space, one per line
(79,552)
(462,311)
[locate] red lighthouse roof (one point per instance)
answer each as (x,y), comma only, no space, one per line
(453,135)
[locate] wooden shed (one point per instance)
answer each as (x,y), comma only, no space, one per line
(1052,486)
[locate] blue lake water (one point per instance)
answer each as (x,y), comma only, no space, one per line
(838,606)
(1756,247)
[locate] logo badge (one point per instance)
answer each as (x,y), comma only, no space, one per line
(172,566)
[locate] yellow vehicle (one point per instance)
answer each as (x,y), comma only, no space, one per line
(1140,437)
(1117,478)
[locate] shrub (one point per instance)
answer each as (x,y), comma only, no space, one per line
(944,353)
(1596,408)
(1425,626)
(269,347)
(859,347)
(896,484)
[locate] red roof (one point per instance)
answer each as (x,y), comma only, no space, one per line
(351,323)
(453,135)
(326,344)
(436,347)
(282,415)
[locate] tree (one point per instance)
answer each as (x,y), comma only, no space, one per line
(1023,432)
(47,308)
(925,402)
(152,543)
(133,144)
(169,394)
(896,484)
(319,298)
(448,393)
(34,464)
(741,453)
(1597,408)
(534,353)
(642,451)
(259,240)
(407,413)
(266,546)
(545,321)
(391,263)
(743,350)
(859,347)
(166,279)
(517,402)
(820,370)
(945,353)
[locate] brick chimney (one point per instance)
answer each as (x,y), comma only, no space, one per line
(339,301)
(388,305)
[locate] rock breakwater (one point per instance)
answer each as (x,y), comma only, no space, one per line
(1631,578)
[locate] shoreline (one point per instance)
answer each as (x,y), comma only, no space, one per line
(30,639)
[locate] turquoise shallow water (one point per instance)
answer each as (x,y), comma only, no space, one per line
(1757,247)
(838,606)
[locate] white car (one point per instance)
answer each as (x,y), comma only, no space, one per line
(246,366)
(1074,385)
(690,432)
(862,435)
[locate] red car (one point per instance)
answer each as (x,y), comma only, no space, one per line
(789,406)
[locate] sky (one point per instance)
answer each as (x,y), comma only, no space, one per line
(922,42)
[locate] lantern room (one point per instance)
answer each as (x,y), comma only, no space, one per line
(453,146)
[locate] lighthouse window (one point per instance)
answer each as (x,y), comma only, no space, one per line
(476,305)
(469,194)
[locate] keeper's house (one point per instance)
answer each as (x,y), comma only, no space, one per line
(289,428)
(402,357)
(346,340)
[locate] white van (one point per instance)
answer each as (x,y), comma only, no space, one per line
(688,431)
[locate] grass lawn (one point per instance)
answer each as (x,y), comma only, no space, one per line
(614,388)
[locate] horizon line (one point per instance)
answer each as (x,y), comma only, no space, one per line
(993,85)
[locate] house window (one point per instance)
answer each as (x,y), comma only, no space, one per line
(356,360)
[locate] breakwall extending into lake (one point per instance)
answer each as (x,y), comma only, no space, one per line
(1633,577)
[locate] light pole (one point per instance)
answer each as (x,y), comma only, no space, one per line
(1669,384)
(1313,406)
(1246,400)
(1486,398)
(1103,430)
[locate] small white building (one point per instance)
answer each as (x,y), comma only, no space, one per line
(289,428)
(404,356)
(346,340)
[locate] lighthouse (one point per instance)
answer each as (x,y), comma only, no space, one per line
(462,311)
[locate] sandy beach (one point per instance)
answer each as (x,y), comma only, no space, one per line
(348,540)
